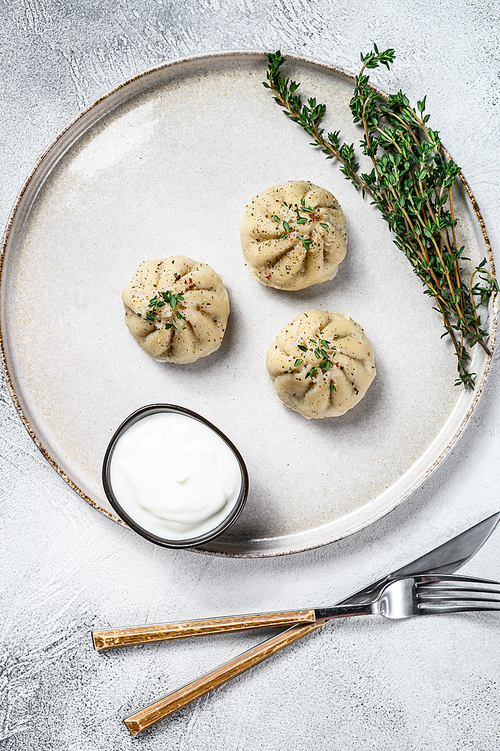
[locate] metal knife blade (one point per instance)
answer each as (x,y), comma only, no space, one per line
(445,559)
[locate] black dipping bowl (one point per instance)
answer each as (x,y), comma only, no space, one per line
(191,542)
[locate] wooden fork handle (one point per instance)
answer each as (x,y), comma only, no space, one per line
(122,637)
(143,719)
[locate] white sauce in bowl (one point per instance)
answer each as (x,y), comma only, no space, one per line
(174,476)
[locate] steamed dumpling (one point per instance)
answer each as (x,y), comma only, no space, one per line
(321,364)
(176,309)
(293,235)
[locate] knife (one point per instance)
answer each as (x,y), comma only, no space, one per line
(445,559)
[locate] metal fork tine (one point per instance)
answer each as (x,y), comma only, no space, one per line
(446,588)
(424,610)
(456,593)
(437,595)
(455,598)
(440,580)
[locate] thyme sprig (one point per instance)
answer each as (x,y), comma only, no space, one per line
(174,301)
(411,183)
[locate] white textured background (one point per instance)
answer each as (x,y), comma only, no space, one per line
(425,684)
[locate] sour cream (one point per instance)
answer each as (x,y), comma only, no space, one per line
(174,476)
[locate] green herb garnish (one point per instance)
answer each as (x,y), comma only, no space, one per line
(324,351)
(411,183)
(305,242)
(300,220)
(174,301)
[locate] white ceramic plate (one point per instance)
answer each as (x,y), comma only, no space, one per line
(164,165)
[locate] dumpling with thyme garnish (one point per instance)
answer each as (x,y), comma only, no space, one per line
(176,309)
(321,364)
(293,235)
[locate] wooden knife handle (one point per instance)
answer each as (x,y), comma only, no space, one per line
(122,637)
(143,719)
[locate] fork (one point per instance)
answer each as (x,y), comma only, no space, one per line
(402,598)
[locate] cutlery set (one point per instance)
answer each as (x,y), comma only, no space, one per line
(427,586)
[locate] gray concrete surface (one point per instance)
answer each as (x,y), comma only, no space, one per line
(427,684)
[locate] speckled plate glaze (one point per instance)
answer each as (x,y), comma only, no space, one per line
(164,165)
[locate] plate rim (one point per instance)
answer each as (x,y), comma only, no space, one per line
(214,56)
